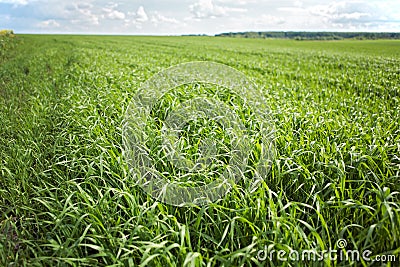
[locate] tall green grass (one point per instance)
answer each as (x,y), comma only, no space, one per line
(66,197)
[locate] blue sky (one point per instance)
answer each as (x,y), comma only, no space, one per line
(197,16)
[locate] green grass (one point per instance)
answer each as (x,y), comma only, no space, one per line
(66,197)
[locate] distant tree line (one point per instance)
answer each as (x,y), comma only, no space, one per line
(195,34)
(314,35)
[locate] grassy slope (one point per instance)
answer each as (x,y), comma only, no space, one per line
(65,196)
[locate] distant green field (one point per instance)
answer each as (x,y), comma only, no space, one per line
(67,199)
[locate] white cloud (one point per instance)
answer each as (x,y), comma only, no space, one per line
(207,9)
(81,13)
(115,14)
(51,23)
(298,3)
(84,6)
(157,18)
(141,15)
(111,13)
(269,20)
(112,5)
(237,2)
(15,2)
(342,13)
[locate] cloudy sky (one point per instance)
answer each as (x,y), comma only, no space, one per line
(197,16)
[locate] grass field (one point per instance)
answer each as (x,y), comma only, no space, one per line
(66,198)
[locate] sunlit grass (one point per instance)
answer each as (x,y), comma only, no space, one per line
(66,197)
